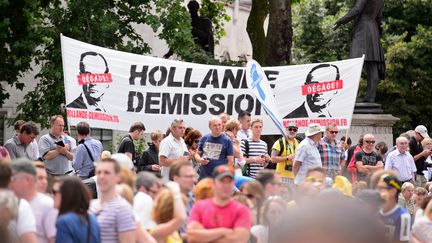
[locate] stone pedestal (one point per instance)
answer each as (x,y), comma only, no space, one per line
(380,125)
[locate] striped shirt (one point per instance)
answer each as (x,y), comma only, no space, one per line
(331,156)
(256,148)
(114,217)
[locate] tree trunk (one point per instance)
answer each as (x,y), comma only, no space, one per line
(280,33)
(255,30)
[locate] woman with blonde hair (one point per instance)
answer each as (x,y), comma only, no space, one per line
(169,213)
(203,189)
(232,126)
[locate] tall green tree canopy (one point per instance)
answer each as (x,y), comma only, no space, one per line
(107,23)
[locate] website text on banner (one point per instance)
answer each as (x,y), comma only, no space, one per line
(112,89)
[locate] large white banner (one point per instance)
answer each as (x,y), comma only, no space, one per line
(112,89)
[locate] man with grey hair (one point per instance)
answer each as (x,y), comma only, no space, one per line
(23,183)
(401,161)
(20,145)
(148,186)
(172,148)
(215,148)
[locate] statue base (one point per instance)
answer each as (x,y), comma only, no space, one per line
(370,118)
(367,108)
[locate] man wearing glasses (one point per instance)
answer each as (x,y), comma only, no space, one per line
(367,160)
(331,152)
(284,154)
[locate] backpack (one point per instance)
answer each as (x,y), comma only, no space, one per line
(281,146)
(246,168)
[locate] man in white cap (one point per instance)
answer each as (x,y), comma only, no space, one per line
(307,155)
(419,153)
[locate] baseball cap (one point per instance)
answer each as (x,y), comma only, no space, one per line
(391,181)
(291,124)
(422,130)
(313,129)
(223,171)
(23,165)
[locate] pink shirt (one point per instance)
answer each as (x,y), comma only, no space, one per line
(210,216)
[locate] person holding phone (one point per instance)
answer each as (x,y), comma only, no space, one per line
(255,150)
(54,150)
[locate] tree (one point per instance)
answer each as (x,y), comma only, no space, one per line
(279,39)
(106,23)
(255,30)
(19,41)
(273,49)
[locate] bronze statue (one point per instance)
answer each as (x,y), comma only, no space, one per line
(201,30)
(366,41)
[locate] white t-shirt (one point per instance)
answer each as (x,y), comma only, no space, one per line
(260,232)
(142,208)
(25,221)
(45,215)
(171,148)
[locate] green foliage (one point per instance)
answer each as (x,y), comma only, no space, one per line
(314,37)
(19,40)
(107,23)
(215,11)
(407,42)
(140,145)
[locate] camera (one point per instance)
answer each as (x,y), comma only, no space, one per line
(288,167)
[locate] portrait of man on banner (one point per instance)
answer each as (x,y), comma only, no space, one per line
(95,79)
(321,86)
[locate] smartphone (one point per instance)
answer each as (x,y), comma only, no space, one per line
(60,143)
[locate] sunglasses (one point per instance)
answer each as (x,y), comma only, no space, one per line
(370,142)
(292,129)
(250,196)
(196,141)
(334,132)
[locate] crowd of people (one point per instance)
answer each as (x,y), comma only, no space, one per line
(222,185)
